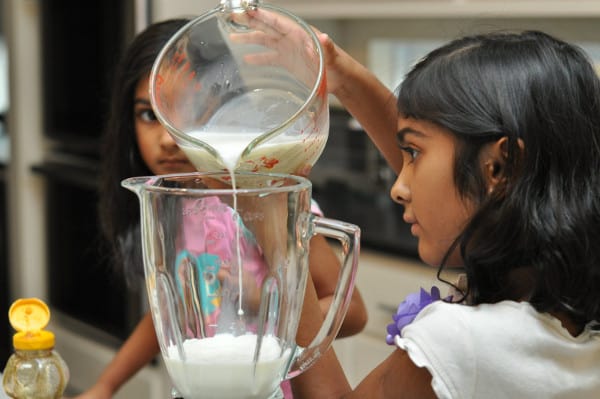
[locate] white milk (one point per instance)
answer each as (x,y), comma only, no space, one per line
(248,115)
(222,367)
(282,154)
(229,146)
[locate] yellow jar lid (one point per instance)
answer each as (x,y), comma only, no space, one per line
(29,316)
(33,340)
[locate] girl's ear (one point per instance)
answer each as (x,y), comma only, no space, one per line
(495,156)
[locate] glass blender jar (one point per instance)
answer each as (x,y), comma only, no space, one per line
(226,271)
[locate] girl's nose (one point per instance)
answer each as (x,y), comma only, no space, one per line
(166,140)
(400,191)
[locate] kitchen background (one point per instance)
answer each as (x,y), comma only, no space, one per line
(55,62)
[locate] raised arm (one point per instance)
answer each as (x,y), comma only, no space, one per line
(365,97)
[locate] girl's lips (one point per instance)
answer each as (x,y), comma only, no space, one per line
(414,228)
(174,161)
(409,219)
(174,166)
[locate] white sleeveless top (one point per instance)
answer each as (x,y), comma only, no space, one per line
(504,350)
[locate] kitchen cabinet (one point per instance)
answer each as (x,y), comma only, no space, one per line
(350,9)
(355,24)
(26,232)
(163,9)
(360,9)
(5,331)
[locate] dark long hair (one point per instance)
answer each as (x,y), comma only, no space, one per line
(545,220)
(119,208)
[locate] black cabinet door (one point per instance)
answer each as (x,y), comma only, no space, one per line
(5,331)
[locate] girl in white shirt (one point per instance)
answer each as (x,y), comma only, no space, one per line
(498,162)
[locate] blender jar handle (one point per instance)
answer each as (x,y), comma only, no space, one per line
(349,237)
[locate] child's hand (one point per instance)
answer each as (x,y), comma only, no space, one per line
(286,37)
(291,45)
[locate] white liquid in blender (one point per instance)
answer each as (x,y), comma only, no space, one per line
(223,367)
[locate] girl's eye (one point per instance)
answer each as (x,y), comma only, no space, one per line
(146,115)
(412,153)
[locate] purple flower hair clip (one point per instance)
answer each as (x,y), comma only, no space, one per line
(409,309)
